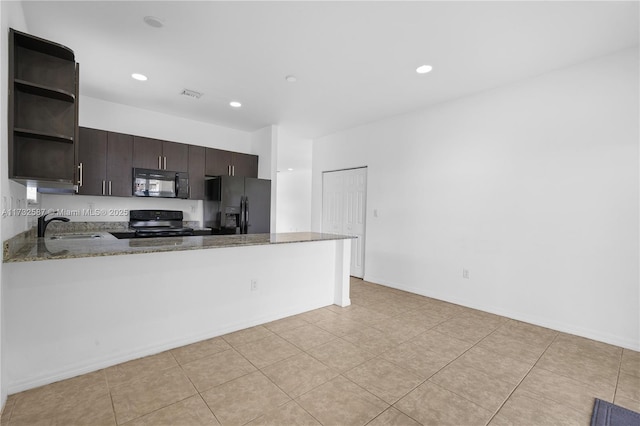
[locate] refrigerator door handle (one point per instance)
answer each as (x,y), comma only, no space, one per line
(246,215)
(242,207)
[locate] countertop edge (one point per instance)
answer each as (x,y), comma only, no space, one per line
(86,249)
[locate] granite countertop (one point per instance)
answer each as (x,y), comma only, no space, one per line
(45,248)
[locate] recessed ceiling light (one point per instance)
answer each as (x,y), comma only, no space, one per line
(290,169)
(154,22)
(140,77)
(235,104)
(423,69)
(291,78)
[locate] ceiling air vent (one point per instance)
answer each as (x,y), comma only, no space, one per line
(191,93)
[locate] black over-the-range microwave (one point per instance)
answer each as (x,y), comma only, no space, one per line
(160,183)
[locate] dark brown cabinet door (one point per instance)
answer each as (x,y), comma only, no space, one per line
(196,172)
(119,174)
(92,161)
(175,156)
(218,162)
(147,153)
(245,165)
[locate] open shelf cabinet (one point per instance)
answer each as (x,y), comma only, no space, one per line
(43,110)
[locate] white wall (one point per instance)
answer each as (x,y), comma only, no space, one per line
(294,186)
(104,115)
(533,188)
(91,313)
(12,195)
(264,143)
(294,201)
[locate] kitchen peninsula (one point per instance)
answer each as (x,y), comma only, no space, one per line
(79,305)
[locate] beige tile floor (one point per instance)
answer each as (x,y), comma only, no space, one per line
(392,358)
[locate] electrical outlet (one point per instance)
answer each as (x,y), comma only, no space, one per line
(254,285)
(465,274)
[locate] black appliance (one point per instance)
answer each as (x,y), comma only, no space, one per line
(160,183)
(237,205)
(157,223)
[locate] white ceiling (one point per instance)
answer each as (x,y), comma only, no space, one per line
(355,61)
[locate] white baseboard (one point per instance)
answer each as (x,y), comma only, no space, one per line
(98,364)
(574,329)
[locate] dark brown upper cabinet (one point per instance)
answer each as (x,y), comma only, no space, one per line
(92,161)
(158,154)
(105,163)
(147,153)
(43,110)
(196,172)
(175,156)
(217,162)
(119,164)
(227,163)
(244,165)
(106,160)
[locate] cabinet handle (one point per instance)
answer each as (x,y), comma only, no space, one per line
(159,162)
(229,170)
(165,163)
(233,170)
(104,183)
(80,174)
(109,187)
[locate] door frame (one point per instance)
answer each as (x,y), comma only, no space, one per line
(366,196)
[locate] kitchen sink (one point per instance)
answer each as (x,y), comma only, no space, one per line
(76,237)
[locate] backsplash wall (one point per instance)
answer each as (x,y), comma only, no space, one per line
(85,208)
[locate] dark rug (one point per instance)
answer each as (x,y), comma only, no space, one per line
(608,414)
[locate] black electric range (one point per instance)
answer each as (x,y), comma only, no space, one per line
(155,223)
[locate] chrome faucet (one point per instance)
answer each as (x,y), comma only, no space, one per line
(42,223)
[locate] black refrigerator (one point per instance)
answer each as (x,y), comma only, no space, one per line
(237,205)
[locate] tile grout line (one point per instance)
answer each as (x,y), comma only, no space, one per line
(13,403)
(291,398)
(428,378)
(392,406)
(160,408)
(615,390)
(455,359)
(341,374)
(195,387)
(257,369)
(580,381)
(522,380)
(261,372)
(113,406)
(436,384)
(432,328)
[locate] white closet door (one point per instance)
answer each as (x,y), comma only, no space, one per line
(344,196)
(332,203)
